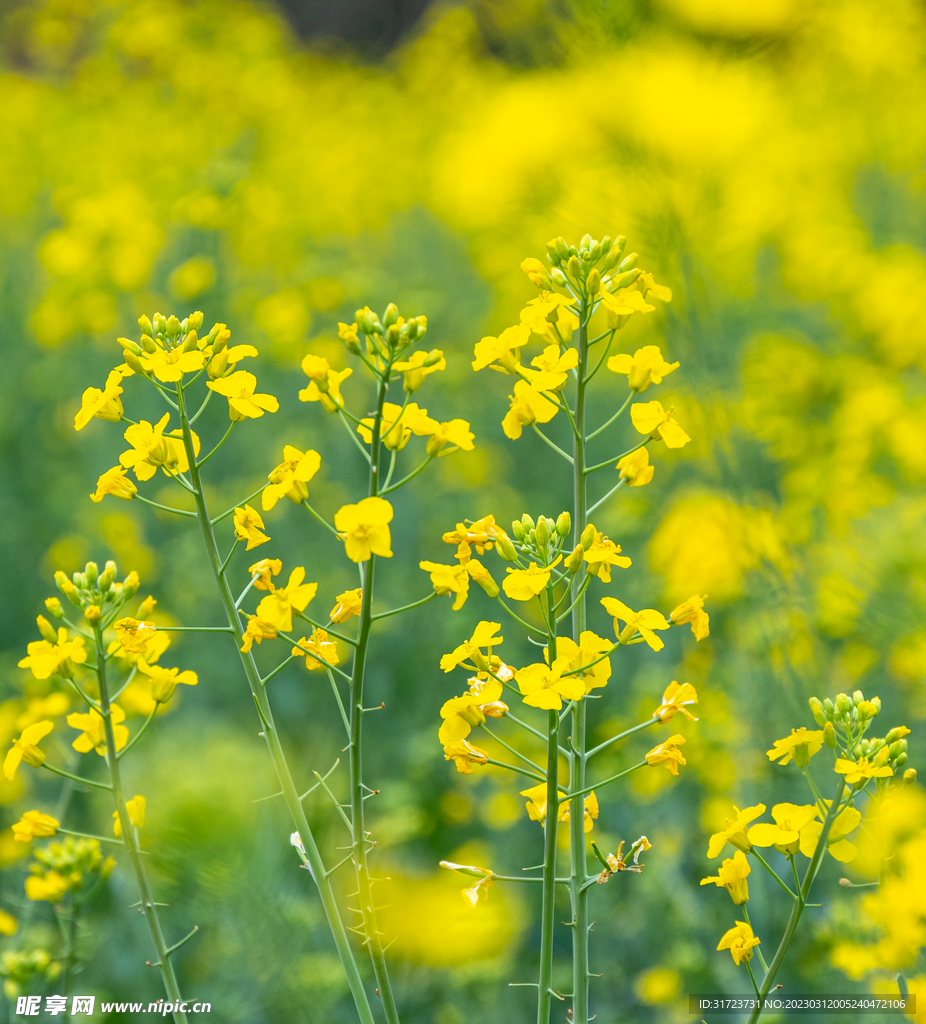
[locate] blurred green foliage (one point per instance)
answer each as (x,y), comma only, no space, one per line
(767,162)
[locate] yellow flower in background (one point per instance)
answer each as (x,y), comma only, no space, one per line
(676,698)
(786,835)
(645,367)
(34,825)
(732,877)
(801,745)
(636,469)
(734,831)
(134,635)
(243,403)
(26,749)
(650,418)
(52,706)
(45,659)
(590,805)
(418,366)
(115,482)
(104,405)
(365,529)
(464,755)
(552,368)
(601,554)
(262,572)
(248,526)
(692,611)
(169,366)
(527,407)
(504,350)
(256,631)
(740,941)
(324,383)
(8,923)
(525,584)
(93,730)
(449,579)
(667,754)
(136,809)
(289,479)
(51,886)
(537,803)
(164,680)
(642,622)
(347,605)
(317,650)
(460,714)
(861,770)
(277,607)
(483,636)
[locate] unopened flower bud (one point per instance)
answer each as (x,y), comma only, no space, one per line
(131,584)
(218,364)
(366,320)
(867,709)
(497,709)
(392,335)
(593,284)
(628,262)
(107,576)
(173,327)
(576,559)
(517,529)
(573,267)
(624,280)
(558,248)
(132,361)
(558,277)
(843,704)
(816,709)
(145,324)
(564,524)
(194,321)
(882,757)
(897,748)
(829,735)
(828,707)
(897,733)
(900,760)
(146,608)
(148,344)
(481,575)
(92,614)
(909,776)
(53,605)
(189,342)
(594,254)
(588,536)
(160,323)
(586,241)
(46,629)
(542,534)
(606,245)
(33,755)
(132,346)
(67,588)
(505,548)
(391,315)
(434,357)
(221,338)
(527,522)
(92,572)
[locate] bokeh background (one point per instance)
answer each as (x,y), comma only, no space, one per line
(276,167)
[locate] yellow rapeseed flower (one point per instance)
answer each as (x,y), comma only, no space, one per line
(115,482)
(365,529)
(289,479)
(481,535)
(861,770)
(262,571)
(524,584)
(544,686)
(527,407)
(590,805)
(645,367)
(93,731)
(277,607)
(667,754)
(505,350)
(136,810)
(642,622)
(134,635)
(837,845)
(26,749)
(418,366)
(588,651)
(151,448)
(104,405)
(740,941)
(164,680)
(450,437)
(248,526)
(243,403)
(601,554)
(676,698)
(483,636)
(347,605)
(537,803)
(256,631)
(464,755)
(34,825)
(635,468)
(552,316)
(786,834)
(398,424)
(621,303)
(169,366)
(732,877)
(46,659)
(800,745)
(552,368)
(317,650)
(734,831)
(324,383)
(650,418)
(449,579)
(460,714)
(692,611)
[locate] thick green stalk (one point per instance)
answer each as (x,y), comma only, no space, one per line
(131,842)
(578,873)
(372,938)
(547,920)
(798,909)
(271,736)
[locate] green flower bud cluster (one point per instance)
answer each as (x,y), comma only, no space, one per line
(19,967)
(94,592)
(588,262)
(389,333)
(845,710)
(853,716)
(540,541)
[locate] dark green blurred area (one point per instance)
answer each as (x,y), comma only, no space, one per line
(766,163)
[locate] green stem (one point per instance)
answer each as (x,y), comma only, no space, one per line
(405,479)
(202,462)
(604,426)
(164,508)
(323,521)
(76,778)
(768,867)
(798,909)
(620,736)
(553,445)
(130,841)
(617,458)
(272,738)
(601,785)
(372,936)
(758,948)
(547,921)
(404,608)
(578,859)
